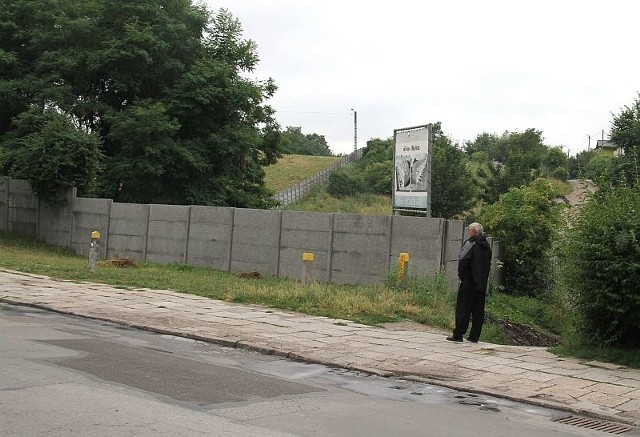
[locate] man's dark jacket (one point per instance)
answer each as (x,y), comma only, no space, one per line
(474,264)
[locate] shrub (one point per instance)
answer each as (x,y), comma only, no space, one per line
(526,221)
(561,173)
(345,182)
(602,266)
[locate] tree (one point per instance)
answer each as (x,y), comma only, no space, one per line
(376,166)
(578,164)
(452,186)
(602,265)
(600,166)
(555,163)
(295,142)
(526,221)
(46,149)
(625,132)
(517,163)
(163,85)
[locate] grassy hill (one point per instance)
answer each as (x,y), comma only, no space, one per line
(291,169)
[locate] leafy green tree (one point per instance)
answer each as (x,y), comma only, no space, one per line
(376,166)
(377,150)
(346,181)
(46,149)
(600,166)
(553,159)
(520,160)
(295,142)
(578,164)
(378,177)
(163,85)
(485,143)
(602,264)
(526,221)
(625,132)
(452,187)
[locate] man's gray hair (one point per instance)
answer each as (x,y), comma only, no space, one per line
(477,226)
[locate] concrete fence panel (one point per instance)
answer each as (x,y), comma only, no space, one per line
(4,203)
(55,221)
(22,205)
(90,215)
(210,236)
(256,241)
(167,234)
(360,250)
(128,230)
(422,238)
(455,237)
(305,232)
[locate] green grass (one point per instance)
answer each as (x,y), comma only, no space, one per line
(292,169)
(321,201)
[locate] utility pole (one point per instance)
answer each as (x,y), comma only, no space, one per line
(355,129)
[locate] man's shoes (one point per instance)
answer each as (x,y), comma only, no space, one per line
(452,338)
(472,341)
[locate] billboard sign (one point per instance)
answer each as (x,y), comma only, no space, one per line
(412,168)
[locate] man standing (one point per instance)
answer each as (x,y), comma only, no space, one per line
(474,263)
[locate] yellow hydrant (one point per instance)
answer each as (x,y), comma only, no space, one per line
(403,262)
(307,274)
(93,251)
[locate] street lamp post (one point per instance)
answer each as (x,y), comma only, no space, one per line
(355,129)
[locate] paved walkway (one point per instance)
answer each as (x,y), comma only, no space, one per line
(528,374)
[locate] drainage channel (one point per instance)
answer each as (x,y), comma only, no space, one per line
(598,425)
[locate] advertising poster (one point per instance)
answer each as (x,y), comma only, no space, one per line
(412,168)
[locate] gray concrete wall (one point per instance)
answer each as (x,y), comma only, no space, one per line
(360,252)
(21,208)
(128,225)
(90,215)
(422,239)
(256,241)
(210,236)
(55,220)
(456,234)
(306,232)
(347,248)
(167,233)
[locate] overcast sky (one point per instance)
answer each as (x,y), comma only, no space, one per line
(559,66)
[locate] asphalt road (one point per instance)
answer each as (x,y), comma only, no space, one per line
(66,376)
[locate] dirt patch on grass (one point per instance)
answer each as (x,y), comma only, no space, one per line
(516,334)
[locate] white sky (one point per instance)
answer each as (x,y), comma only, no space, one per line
(559,66)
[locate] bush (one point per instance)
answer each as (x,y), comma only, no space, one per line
(561,174)
(602,265)
(378,177)
(526,221)
(345,182)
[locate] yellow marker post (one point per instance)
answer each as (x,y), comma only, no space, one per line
(307,273)
(403,262)
(93,251)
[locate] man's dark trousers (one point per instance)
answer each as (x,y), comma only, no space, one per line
(469,307)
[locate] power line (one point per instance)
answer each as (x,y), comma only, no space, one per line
(314,112)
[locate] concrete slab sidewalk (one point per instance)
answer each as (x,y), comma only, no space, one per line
(527,374)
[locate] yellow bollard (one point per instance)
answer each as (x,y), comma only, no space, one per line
(307,275)
(403,262)
(93,251)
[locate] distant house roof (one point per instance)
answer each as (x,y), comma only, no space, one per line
(606,144)
(610,145)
